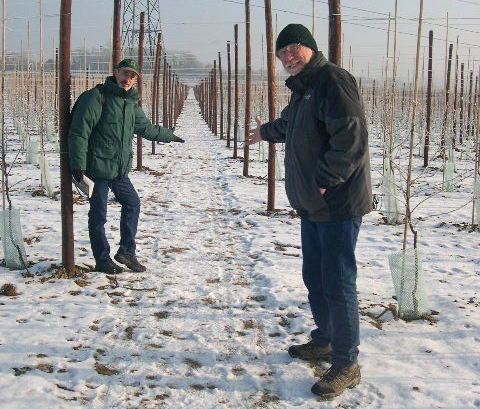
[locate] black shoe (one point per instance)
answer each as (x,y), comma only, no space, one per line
(109,267)
(336,380)
(310,352)
(130,261)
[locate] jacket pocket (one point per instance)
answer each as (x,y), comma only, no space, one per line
(103,162)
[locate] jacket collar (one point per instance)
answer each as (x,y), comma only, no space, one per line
(112,88)
(299,83)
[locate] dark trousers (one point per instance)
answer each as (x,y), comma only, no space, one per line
(330,274)
(127,196)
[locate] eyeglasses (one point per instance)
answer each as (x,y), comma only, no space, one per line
(289,49)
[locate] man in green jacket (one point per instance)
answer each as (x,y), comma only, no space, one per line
(100,137)
(327,180)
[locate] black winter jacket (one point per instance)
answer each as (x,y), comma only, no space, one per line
(326,144)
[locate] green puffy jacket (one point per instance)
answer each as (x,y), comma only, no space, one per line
(102,128)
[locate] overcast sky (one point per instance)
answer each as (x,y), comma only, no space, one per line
(204,26)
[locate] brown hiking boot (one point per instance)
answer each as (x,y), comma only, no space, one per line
(336,380)
(130,261)
(310,352)
(108,267)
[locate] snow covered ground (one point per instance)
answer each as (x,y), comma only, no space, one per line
(209,323)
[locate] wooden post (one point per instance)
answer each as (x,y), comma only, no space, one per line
(64,122)
(462,68)
(171,81)
(385,98)
(210,101)
(221,93)
(207,99)
(214,98)
(374,101)
(412,135)
(56,88)
(117,38)
(455,100)
(140,83)
(229,96)
(394,92)
(447,96)
(334,32)
(235,122)
(164,93)
(4,166)
(477,155)
(85,70)
(248,89)
(271,102)
(429,99)
(469,132)
(313,18)
(156,85)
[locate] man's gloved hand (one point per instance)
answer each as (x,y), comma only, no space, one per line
(177,139)
(77,175)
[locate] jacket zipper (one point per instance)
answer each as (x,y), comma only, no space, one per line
(120,170)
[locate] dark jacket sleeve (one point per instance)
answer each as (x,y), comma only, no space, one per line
(343,115)
(276,130)
(145,129)
(86,115)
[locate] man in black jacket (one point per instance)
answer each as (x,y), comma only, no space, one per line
(327,180)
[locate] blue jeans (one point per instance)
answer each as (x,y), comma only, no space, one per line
(330,274)
(127,196)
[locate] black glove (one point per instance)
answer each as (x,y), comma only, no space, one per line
(77,175)
(177,139)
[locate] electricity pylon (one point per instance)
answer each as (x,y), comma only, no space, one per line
(131,27)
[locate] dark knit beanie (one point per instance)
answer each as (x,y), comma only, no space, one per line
(293,34)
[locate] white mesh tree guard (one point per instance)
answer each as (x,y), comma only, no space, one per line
(33,147)
(392,206)
(240,134)
(449,176)
(278,167)
(49,130)
(476,195)
(46,177)
(263,151)
(12,239)
(27,146)
(451,156)
(407,275)
(421,146)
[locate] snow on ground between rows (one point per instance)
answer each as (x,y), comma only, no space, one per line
(209,323)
